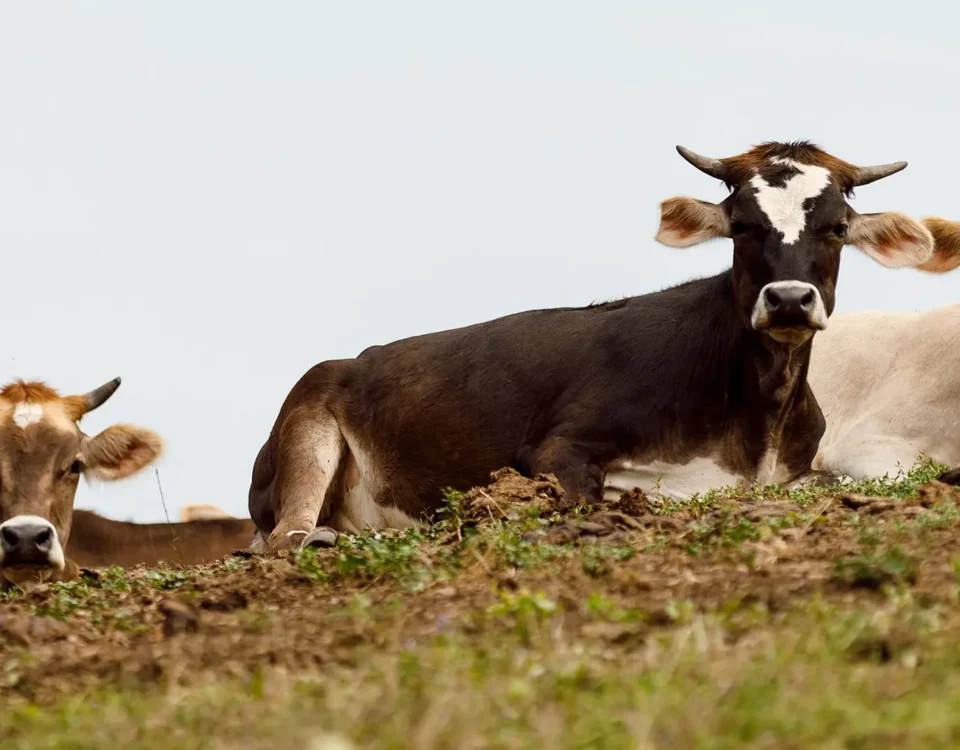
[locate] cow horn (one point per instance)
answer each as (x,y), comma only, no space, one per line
(712,167)
(98,396)
(866,175)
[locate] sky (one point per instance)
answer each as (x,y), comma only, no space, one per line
(206,198)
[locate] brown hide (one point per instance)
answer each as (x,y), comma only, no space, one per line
(98,542)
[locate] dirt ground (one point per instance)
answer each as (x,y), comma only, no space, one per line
(140,629)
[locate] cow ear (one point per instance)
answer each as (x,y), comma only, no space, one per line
(687,221)
(120,451)
(946,245)
(891,239)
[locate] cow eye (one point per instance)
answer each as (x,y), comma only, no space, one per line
(840,230)
(76,467)
(739,227)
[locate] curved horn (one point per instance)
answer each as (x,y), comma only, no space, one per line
(866,175)
(712,167)
(98,396)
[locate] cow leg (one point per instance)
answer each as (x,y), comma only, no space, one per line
(309,452)
(258,544)
(581,480)
(869,455)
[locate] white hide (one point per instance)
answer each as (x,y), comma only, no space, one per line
(784,206)
(889,387)
(676,481)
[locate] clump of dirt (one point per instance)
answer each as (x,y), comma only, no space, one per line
(26,630)
(935,493)
(633,503)
(509,489)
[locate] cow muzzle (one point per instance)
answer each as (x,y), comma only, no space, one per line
(789,311)
(30,550)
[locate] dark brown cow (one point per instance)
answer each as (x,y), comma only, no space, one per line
(98,542)
(43,452)
(705,381)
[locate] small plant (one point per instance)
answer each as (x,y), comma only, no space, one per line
(943,516)
(599,607)
(166,579)
(596,558)
(67,598)
(522,607)
(451,513)
(514,551)
(384,554)
(114,579)
(744,530)
(232,564)
(128,622)
(308,566)
(902,485)
(877,569)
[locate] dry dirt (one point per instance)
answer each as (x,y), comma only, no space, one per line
(231,619)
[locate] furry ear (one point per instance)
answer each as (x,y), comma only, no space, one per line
(119,452)
(686,221)
(946,245)
(891,239)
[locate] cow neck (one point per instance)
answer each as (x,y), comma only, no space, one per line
(762,381)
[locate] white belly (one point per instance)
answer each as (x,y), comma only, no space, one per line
(360,510)
(676,481)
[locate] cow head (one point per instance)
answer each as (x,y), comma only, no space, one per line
(43,452)
(788,217)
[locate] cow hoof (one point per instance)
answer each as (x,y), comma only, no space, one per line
(259,545)
(286,542)
(322,536)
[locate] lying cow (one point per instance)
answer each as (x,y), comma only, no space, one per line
(886,384)
(207,535)
(703,384)
(202,512)
(43,452)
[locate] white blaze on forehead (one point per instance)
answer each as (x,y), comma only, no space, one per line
(25,414)
(784,205)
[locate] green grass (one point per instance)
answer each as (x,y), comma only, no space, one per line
(527,660)
(902,485)
(820,677)
(877,568)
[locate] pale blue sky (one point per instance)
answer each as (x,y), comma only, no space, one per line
(206,198)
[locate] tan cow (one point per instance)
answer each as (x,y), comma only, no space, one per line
(202,511)
(889,382)
(43,452)
(98,542)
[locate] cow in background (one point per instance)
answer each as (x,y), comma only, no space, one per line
(205,534)
(43,453)
(889,382)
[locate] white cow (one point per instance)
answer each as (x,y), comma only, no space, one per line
(889,382)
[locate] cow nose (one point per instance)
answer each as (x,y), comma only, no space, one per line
(791,299)
(789,304)
(24,543)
